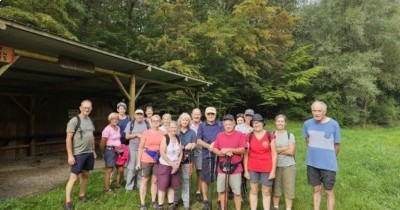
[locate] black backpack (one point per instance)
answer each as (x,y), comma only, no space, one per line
(78,125)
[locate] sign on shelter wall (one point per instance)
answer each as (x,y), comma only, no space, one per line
(6,54)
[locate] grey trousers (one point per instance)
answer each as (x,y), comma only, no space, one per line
(186,178)
(131,173)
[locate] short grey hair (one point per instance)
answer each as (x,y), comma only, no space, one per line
(112,115)
(321,103)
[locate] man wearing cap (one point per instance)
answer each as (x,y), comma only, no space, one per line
(206,134)
(133,131)
(229,143)
(246,126)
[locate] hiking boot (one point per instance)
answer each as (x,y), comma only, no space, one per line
(154,205)
(206,205)
(68,206)
(143,207)
(83,198)
(199,197)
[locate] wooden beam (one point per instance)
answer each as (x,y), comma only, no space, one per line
(36,56)
(22,107)
(140,90)
(161,83)
(132,91)
(121,86)
(111,72)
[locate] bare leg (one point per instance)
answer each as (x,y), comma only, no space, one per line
(120,174)
(238,201)
(143,188)
(153,188)
(276,201)
(289,203)
(266,195)
(222,199)
(70,184)
(161,196)
(107,175)
(253,195)
(317,196)
(204,187)
(171,195)
(330,198)
(83,182)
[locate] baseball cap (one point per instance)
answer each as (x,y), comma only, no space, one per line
(211,109)
(228,117)
(258,117)
(249,112)
(139,111)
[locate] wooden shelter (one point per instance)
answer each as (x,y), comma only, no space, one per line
(43,77)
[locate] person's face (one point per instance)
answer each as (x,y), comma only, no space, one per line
(114,121)
(172,129)
(229,126)
(280,123)
(139,117)
(85,108)
(196,115)
(149,113)
(240,120)
(166,120)
(248,118)
(317,112)
(155,122)
(210,117)
(121,110)
(258,126)
(185,123)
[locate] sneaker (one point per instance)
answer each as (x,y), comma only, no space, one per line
(206,205)
(143,207)
(83,198)
(68,206)
(154,205)
(199,197)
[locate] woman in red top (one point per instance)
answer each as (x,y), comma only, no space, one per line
(260,162)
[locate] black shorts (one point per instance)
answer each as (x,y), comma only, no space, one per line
(207,173)
(83,162)
(317,176)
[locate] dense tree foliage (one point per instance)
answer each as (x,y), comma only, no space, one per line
(274,56)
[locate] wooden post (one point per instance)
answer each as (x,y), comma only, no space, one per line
(132,93)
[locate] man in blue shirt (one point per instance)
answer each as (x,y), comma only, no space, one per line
(322,135)
(205,137)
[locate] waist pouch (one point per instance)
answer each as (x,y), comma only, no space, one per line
(154,154)
(228,169)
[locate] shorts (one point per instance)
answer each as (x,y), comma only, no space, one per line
(235,183)
(110,157)
(285,181)
(197,159)
(148,169)
(260,178)
(207,174)
(167,180)
(317,176)
(83,162)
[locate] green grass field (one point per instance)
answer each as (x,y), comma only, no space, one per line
(368,178)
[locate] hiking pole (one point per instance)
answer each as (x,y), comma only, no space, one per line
(227,172)
(190,168)
(210,188)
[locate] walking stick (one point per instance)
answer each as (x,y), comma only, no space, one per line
(210,188)
(227,172)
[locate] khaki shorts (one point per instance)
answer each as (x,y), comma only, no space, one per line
(285,178)
(235,182)
(148,169)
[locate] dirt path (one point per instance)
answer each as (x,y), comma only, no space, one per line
(33,175)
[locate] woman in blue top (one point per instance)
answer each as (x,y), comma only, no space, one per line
(188,139)
(123,120)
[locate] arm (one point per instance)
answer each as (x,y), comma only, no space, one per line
(274,159)
(289,151)
(68,143)
(337,148)
(141,149)
(203,144)
(103,144)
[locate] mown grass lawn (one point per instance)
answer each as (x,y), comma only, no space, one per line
(368,178)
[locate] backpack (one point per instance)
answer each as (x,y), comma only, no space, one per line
(124,156)
(78,125)
(133,124)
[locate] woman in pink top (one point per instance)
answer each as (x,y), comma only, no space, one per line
(111,147)
(149,152)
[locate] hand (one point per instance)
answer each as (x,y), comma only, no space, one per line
(211,147)
(230,154)
(188,147)
(71,160)
(271,175)
(246,174)
(94,155)
(137,166)
(139,135)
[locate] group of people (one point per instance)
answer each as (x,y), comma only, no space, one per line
(224,154)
